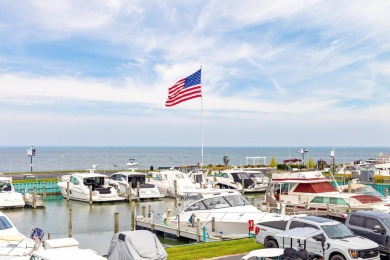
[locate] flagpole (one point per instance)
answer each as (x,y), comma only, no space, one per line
(201,121)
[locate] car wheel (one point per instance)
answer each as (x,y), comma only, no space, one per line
(271,244)
(337,257)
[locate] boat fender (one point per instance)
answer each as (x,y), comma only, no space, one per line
(251,225)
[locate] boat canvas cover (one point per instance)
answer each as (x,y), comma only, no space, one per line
(137,245)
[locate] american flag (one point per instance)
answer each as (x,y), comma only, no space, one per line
(185,89)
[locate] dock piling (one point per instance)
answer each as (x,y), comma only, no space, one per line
(90,195)
(138,185)
(67,191)
(213,224)
(143,211)
(197,230)
(70,228)
(44,196)
(116,223)
(35,198)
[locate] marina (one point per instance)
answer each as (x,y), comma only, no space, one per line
(214,215)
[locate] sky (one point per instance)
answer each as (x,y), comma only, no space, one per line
(274,73)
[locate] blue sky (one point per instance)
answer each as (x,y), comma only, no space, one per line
(274,73)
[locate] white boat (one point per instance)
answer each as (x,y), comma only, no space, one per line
(165,182)
(123,180)
(80,183)
(199,178)
(233,179)
(16,246)
(230,209)
(9,198)
(259,178)
(311,189)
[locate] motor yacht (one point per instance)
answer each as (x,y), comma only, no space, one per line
(80,183)
(229,208)
(234,179)
(165,181)
(9,198)
(125,179)
(311,189)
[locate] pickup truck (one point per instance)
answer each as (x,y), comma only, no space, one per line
(336,242)
(372,225)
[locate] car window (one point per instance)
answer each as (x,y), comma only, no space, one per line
(296,224)
(312,226)
(371,223)
(356,220)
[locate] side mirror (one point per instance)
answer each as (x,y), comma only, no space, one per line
(320,238)
(377,229)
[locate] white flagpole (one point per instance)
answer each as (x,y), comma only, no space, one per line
(201,118)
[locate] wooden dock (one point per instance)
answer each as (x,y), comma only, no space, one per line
(172,230)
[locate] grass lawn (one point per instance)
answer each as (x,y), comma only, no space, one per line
(212,249)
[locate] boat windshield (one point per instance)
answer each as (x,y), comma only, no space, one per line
(4,223)
(257,175)
(219,202)
(237,200)
(370,191)
(337,231)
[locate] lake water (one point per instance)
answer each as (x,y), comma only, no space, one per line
(15,159)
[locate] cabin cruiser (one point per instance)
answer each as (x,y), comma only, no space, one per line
(230,209)
(234,179)
(80,183)
(165,181)
(311,189)
(9,198)
(123,180)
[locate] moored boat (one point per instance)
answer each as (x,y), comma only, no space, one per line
(89,186)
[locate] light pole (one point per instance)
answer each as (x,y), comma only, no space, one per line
(332,155)
(303,151)
(31,153)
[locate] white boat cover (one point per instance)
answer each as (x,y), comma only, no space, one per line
(137,245)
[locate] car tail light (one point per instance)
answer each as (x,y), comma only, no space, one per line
(257,230)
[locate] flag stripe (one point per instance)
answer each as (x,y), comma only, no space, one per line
(184,96)
(185,89)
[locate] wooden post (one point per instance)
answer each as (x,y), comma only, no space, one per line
(149,211)
(252,201)
(132,228)
(197,230)
(215,178)
(116,223)
(35,198)
(44,196)
(178,226)
(175,187)
(242,187)
(90,194)
(152,221)
(70,228)
(213,224)
(48,236)
(138,185)
(130,194)
(143,211)
(67,191)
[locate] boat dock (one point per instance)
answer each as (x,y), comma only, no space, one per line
(186,230)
